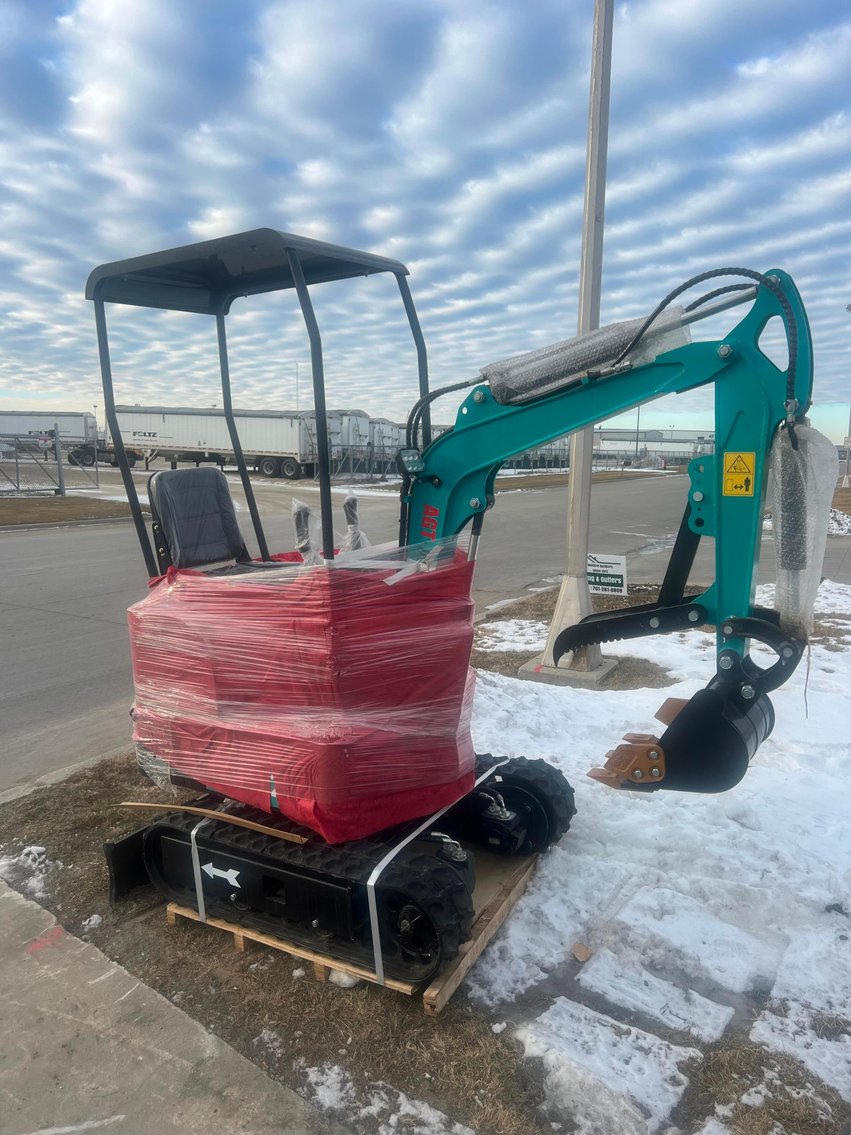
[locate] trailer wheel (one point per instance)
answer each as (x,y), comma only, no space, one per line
(290,469)
(269,466)
(84,457)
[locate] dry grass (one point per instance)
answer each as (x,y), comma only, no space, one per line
(553,480)
(842,498)
(783,1093)
(58,510)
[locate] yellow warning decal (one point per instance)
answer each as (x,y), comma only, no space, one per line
(739,469)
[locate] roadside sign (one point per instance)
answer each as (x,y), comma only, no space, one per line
(606,574)
(739,474)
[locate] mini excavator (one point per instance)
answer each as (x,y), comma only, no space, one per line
(345,819)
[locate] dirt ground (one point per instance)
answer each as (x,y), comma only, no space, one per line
(57,510)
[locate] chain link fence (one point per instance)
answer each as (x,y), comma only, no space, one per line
(42,465)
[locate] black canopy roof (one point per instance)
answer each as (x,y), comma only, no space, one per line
(208,276)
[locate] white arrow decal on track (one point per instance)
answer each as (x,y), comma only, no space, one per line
(232,876)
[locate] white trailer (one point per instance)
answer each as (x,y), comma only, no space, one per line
(355,453)
(386,439)
(278,443)
(73,427)
(335,434)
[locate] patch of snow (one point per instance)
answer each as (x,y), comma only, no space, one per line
(512,634)
(27,871)
(814,968)
(331,1088)
(838,524)
(271,1041)
(671,928)
(713,1127)
(91,923)
(797,1033)
(344,980)
(632,987)
(586,1053)
(498,1028)
(298,972)
(380,1109)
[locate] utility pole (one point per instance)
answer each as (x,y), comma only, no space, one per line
(574,600)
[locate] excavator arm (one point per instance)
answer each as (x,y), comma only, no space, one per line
(710,739)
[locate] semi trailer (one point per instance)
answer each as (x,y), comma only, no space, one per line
(277,443)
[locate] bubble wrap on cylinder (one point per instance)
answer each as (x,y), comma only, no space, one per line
(801,483)
(539,372)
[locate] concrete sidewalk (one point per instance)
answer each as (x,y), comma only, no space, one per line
(84,1047)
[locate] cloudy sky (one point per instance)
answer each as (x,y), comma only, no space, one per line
(449,134)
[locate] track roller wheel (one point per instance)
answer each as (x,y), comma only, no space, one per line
(425,913)
(536,791)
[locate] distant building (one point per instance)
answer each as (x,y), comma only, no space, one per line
(651,447)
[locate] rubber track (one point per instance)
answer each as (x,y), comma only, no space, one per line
(433,885)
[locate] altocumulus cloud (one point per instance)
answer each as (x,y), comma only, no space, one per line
(449,134)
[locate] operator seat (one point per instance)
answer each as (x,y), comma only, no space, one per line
(194,521)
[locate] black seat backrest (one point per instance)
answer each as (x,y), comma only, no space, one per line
(194,519)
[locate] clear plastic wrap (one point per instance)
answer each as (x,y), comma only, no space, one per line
(802,482)
(307,533)
(355,536)
(539,372)
(339,694)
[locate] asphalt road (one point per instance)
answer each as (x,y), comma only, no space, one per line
(65,686)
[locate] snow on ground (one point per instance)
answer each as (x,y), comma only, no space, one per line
(603,1075)
(839,523)
(386,1111)
(690,903)
(28,870)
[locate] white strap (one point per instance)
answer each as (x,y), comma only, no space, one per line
(389,857)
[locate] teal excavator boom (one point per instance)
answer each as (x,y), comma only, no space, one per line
(533,399)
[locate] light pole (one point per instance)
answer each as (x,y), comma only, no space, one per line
(95,446)
(637,428)
(574,599)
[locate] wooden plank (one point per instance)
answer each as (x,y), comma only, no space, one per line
(212,814)
(437,996)
(286,947)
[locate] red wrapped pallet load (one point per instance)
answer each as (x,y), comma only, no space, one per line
(338,694)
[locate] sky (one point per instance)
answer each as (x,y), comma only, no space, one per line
(448,134)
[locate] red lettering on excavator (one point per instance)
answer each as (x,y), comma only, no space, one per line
(428,523)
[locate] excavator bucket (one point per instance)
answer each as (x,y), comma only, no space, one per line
(707,746)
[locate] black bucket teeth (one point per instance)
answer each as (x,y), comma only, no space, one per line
(707,746)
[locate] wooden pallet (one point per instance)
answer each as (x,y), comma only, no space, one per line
(499,884)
